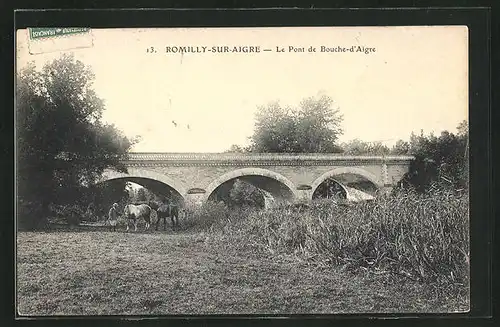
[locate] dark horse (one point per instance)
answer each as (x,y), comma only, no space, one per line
(165,210)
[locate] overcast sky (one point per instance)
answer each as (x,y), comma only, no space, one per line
(416,79)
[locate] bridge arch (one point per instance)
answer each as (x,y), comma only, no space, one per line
(135,174)
(335,173)
(289,187)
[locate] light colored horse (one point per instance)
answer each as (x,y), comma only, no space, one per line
(134,212)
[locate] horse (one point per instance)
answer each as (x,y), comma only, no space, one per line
(168,210)
(134,212)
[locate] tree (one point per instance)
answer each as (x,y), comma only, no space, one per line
(141,195)
(318,125)
(103,195)
(236,149)
(442,160)
(131,190)
(63,147)
(463,129)
(313,126)
(357,147)
(401,148)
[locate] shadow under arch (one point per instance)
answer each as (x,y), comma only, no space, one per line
(336,173)
(341,187)
(158,183)
(273,183)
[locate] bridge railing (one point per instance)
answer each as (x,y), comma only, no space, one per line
(148,156)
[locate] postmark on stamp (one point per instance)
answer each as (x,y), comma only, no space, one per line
(51,39)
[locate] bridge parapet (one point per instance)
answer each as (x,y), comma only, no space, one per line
(262,159)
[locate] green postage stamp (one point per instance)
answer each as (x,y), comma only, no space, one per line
(47,32)
(51,39)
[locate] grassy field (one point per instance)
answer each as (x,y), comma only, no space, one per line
(85,272)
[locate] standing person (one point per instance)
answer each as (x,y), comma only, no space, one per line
(113,216)
(90,213)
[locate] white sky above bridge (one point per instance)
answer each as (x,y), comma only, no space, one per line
(416,79)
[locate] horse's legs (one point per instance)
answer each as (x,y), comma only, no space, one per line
(149,220)
(175,221)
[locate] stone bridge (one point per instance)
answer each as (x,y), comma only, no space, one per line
(197,177)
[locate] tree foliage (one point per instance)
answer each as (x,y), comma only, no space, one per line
(143,195)
(330,189)
(103,195)
(313,126)
(245,194)
(442,160)
(439,160)
(401,148)
(237,149)
(63,146)
(357,147)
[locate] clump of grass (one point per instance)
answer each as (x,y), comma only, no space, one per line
(202,218)
(422,237)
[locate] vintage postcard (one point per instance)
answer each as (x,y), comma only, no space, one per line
(268,171)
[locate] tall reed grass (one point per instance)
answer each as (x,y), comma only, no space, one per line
(421,237)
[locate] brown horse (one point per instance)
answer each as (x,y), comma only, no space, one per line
(168,210)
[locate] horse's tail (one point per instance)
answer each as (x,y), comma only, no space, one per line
(151,210)
(174,211)
(126,210)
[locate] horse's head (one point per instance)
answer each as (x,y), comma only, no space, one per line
(154,205)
